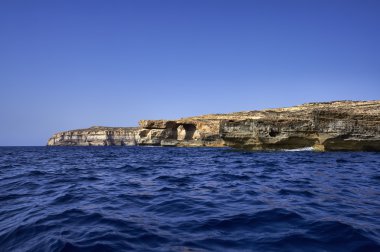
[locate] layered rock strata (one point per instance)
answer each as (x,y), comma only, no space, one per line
(95,136)
(330,126)
(341,125)
(184,132)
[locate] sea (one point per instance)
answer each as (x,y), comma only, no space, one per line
(187,199)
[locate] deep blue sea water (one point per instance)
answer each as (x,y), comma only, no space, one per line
(187,199)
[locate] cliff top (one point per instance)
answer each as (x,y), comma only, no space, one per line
(95,129)
(345,106)
(367,107)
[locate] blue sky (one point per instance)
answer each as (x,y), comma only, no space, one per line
(74,64)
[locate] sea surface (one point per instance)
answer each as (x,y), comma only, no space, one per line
(187,199)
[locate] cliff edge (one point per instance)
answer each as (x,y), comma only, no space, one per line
(330,126)
(94,136)
(325,126)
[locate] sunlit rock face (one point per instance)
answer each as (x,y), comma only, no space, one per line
(341,125)
(95,136)
(331,126)
(183,132)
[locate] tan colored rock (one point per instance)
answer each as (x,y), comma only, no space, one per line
(181,133)
(184,132)
(156,124)
(341,125)
(169,143)
(94,136)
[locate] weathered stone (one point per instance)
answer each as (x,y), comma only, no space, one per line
(169,142)
(156,124)
(341,125)
(150,136)
(94,136)
(181,133)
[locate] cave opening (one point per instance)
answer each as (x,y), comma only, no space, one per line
(273,132)
(186,131)
(190,130)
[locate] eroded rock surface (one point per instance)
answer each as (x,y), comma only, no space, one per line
(341,125)
(95,136)
(183,132)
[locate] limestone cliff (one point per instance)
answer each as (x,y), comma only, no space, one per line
(341,125)
(183,132)
(94,136)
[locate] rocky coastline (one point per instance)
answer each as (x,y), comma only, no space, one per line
(324,126)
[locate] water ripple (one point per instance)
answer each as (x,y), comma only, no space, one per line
(187,199)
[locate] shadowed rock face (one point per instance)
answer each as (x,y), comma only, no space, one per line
(342,125)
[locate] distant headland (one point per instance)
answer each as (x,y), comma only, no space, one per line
(323,126)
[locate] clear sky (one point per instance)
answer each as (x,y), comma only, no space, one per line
(74,64)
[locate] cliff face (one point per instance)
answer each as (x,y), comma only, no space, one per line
(184,132)
(94,136)
(342,125)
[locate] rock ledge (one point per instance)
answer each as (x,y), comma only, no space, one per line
(324,126)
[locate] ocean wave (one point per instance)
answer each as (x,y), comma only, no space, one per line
(300,149)
(173,199)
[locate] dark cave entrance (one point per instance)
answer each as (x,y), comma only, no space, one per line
(190,130)
(273,132)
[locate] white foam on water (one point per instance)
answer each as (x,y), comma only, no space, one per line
(301,149)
